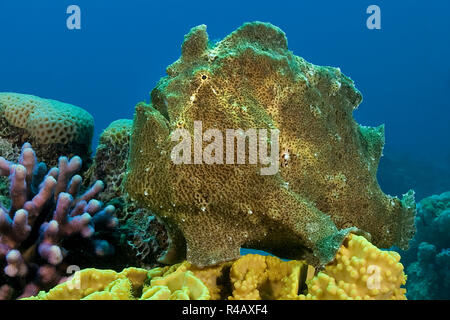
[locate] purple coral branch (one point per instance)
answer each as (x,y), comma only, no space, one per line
(95,189)
(18,191)
(28,160)
(66,170)
(72,215)
(13,231)
(48,249)
(37,203)
(15,264)
(105,218)
(74,185)
(70,225)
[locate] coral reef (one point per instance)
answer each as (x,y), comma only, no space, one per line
(11,153)
(215,278)
(110,159)
(53,128)
(145,235)
(130,284)
(427,262)
(326,183)
(352,275)
(140,238)
(256,277)
(97,284)
(360,271)
(251,277)
(177,285)
(46,209)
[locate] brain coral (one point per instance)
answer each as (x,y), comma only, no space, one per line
(53,127)
(326,182)
(49,121)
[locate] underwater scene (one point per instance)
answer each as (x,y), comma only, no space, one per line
(235,150)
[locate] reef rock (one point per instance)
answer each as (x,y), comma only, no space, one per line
(140,237)
(110,158)
(326,183)
(427,261)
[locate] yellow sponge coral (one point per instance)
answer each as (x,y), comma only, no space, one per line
(214,277)
(94,284)
(48,121)
(256,277)
(252,277)
(360,271)
(130,284)
(178,285)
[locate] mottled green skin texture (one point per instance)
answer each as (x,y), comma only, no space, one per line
(326,185)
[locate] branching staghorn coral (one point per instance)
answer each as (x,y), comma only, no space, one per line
(46,208)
